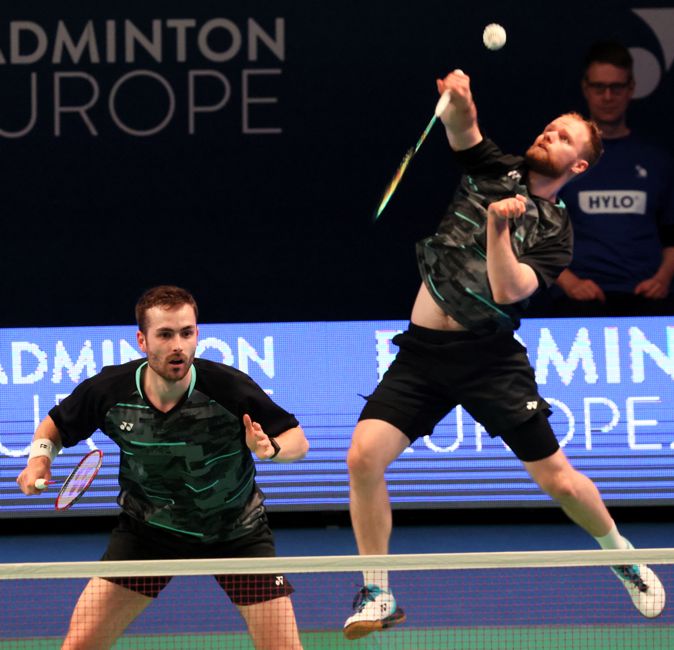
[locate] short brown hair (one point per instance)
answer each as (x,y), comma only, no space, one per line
(166,296)
(611,52)
(594,148)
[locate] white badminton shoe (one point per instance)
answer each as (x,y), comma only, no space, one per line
(373,609)
(643,586)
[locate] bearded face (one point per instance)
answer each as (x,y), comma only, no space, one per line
(558,151)
(542,162)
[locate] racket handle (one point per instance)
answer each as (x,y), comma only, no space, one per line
(442,104)
(42,483)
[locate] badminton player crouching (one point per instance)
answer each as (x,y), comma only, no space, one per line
(187,429)
(504,236)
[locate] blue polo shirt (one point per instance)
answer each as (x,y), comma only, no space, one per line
(619,210)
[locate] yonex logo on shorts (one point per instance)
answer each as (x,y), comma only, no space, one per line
(531,406)
(279,581)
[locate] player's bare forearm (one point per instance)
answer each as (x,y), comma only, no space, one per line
(294,445)
(510,280)
(39,466)
(47,429)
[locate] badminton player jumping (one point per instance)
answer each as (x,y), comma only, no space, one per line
(504,237)
(187,429)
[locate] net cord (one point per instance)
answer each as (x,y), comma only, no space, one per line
(336,563)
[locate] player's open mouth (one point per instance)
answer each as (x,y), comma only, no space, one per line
(176,362)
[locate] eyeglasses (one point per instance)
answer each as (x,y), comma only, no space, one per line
(617,88)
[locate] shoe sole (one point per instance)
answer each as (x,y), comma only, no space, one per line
(359,629)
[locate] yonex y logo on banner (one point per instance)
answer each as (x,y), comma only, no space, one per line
(613,202)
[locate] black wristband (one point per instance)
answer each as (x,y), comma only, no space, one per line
(276,446)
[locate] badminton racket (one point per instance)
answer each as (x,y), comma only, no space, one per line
(407,158)
(77,482)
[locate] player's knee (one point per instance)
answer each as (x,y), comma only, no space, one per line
(363,462)
(559,485)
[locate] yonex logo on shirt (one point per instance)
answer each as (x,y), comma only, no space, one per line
(612,202)
(126,426)
(531,406)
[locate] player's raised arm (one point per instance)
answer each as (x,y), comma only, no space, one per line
(460,116)
(44,448)
(510,280)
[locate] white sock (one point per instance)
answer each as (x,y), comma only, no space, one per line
(612,540)
(378,577)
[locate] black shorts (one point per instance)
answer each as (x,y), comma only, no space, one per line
(489,375)
(133,540)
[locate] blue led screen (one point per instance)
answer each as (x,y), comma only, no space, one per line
(610,383)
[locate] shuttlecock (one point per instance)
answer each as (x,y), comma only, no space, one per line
(494,36)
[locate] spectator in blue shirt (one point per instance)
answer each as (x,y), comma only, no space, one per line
(622,210)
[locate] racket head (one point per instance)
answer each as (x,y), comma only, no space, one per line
(79,480)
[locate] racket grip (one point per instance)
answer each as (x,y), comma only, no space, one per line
(41,484)
(442,104)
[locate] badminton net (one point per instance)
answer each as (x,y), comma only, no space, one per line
(476,601)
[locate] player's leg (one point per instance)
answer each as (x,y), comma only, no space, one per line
(272,625)
(103,612)
(407,404)
(263,600)
(533,442)
(107,606)
(374,446)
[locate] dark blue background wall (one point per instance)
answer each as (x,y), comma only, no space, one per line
(267,226)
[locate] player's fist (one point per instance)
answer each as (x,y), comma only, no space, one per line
(37,468)
(509,208)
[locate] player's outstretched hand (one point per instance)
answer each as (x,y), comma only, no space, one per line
(509,208)
(257,440)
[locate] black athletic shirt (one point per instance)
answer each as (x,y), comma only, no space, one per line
(453,262)
(188,471)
